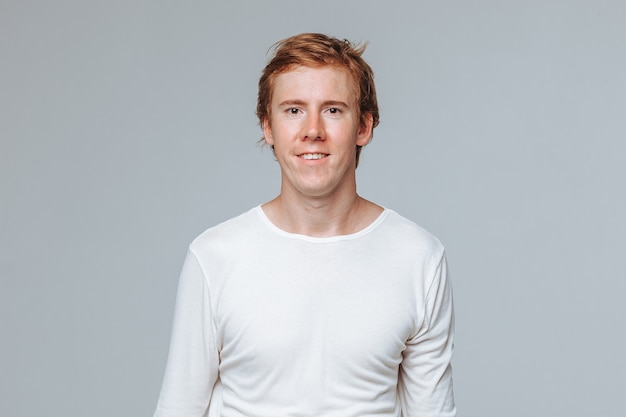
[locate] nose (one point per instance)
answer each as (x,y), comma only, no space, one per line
(314,128)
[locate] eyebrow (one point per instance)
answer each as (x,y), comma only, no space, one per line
(301,102)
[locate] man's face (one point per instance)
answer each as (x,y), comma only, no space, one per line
(315,129)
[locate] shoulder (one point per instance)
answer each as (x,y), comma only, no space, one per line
(230,232)
(409,235)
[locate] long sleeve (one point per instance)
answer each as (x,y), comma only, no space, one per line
(192,366)
(425,383)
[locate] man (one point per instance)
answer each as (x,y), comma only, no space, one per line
(319,302)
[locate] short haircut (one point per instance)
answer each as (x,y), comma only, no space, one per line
(317,50)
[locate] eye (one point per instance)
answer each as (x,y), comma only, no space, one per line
(333,110)
(292,110)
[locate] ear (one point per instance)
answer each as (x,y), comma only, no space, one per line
(267,132)
(364,135)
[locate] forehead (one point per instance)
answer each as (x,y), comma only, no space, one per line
(315,82)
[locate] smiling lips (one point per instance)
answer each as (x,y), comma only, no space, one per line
(310,156)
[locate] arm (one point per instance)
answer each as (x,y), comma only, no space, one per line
(192,365)
(425,381)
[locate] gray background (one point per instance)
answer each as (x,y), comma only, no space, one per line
(128,127)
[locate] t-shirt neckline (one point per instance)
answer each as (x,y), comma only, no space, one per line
(314,239)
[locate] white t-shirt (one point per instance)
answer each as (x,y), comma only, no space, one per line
(274,324)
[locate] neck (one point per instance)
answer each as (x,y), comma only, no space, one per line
(321,217)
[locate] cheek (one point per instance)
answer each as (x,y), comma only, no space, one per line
(283,129)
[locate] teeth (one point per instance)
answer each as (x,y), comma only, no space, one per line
(313,155)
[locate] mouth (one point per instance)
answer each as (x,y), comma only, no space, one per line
(313,156)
